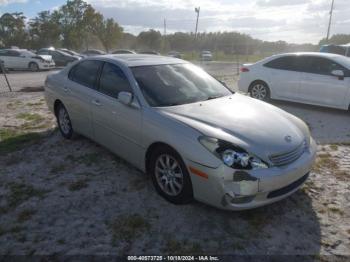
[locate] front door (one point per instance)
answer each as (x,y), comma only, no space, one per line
(319,86)
(116,125)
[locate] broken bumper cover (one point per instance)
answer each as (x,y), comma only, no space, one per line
(231,189)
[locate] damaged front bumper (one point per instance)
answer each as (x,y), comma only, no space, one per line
(231,189)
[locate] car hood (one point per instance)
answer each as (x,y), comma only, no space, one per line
(258,127)
(46,57)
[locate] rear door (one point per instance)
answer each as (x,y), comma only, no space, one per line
(318,85)
(17,59)
(6,58)
(284,77)
(116,125)
(79,94)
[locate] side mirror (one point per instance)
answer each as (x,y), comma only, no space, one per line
(338,73)
(125,98)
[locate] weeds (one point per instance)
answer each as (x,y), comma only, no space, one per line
(11,140)
(128,227)
(78,185)
(25,215)
(20,193)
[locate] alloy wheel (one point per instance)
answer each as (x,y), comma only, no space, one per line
(64,121)
(259,91)
(169,175)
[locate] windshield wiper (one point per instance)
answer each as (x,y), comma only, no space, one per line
(213,97)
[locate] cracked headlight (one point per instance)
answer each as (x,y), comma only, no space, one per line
(232,155)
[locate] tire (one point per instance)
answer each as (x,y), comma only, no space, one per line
(33,67)
(63,121)
(170,179)
(259,90)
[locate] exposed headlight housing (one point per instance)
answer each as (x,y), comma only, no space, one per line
(231,155)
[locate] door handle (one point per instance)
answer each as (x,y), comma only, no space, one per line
(65,89)
(96,102)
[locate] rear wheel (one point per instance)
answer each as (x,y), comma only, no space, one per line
(260,90)
(64,122)
(170,176)
(33,67)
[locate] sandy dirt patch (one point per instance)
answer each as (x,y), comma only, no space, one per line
(74,197)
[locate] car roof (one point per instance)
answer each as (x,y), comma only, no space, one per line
(133,60)
(318,54)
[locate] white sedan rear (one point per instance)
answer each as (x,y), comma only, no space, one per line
(311,78)
(23,59)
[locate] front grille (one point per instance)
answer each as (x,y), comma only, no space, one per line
(288,157)
(285,190)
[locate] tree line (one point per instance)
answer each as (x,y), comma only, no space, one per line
(77,25)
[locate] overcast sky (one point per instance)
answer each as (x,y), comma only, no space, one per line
(295,21)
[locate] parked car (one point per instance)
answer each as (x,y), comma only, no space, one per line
(60,58)
(149,53)
(206,56)
(174,54)
(336,49)
(123,51)
(192,135)
(93,52)
(24,59)
(71,52)
(311,78)
(2,67)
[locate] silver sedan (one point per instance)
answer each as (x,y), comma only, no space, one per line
(193,136)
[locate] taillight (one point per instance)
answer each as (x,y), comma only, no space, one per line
(244,69)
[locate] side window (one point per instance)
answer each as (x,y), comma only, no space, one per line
(43,52)
(85,73)
(284,63)
(13,53)
(4,53)
(321,66)
(113,81)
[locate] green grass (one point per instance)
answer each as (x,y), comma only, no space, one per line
(20,193)
(223,57)
(12,140)
(334,147)
(88,159)
(173,246)
(128,227)
(78,185)
(325,161)
(35,104)
(25,215)
(30,117)
(58,168)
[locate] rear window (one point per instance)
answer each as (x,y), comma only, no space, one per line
(333,49)
(85,73)
(284,63)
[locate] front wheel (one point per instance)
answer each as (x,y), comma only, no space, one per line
(33,67)
(260,91)
(64,122)
(170,176)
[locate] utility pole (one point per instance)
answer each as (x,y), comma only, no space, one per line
(164,27)
(164,36)
(197,10)
(330,20)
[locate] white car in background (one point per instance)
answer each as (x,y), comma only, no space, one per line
(24,59)
(311,78)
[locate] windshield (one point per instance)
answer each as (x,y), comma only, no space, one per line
(28,53)
(177,84)
(345,61)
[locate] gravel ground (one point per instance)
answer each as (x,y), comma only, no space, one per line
(75,197)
